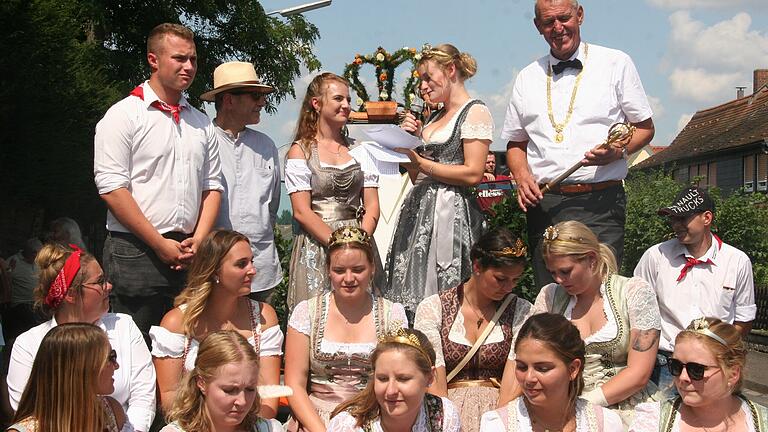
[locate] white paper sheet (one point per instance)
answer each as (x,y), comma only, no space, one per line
(373,158)
(391,136)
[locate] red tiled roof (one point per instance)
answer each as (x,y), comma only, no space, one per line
(737,123)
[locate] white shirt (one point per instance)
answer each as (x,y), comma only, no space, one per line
(298,176)
(610,91)
(134,379)
(492,421)
(648,418)
(165,343)
(164,165)
(250,168)
(723,290)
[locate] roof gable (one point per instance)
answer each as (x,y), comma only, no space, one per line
(734,124)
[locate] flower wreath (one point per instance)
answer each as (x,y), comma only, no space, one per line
(385,64)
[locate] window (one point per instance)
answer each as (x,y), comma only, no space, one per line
(712,174)
(762,172)
(749,173)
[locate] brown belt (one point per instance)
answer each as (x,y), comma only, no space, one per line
(493,382)
(579,188)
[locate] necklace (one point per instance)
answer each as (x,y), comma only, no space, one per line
(479,316)
(535,421)
(560,126)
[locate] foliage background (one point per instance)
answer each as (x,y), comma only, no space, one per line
(65,62)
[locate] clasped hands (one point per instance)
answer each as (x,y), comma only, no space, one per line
(177,254)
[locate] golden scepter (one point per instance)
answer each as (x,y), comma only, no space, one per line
(619,136)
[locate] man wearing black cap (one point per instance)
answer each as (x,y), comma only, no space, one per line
(695,274)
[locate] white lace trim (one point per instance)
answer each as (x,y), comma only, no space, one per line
(648,417)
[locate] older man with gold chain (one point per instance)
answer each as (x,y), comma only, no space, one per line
(561,109)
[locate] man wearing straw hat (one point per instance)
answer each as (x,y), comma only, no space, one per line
(561,109)
(250,168)
(156,166)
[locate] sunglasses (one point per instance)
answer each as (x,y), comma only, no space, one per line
(255,95)
(695,370)
(112,357)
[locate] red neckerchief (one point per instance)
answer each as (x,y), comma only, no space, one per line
(175,110)
(60,285)
(690,261)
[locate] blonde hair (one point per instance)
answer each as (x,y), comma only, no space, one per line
(202,274)
(306,127)
(446,55)
(216,350)
(61,393)
(50,260)
(734,354)
(364,407)
(574,239)
(157,34)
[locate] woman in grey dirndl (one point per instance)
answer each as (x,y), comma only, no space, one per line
(440,219)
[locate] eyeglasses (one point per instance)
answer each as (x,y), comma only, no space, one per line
(112,357)
(695,370)
(101,284)
(255,95)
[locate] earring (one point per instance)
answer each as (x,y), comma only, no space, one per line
(216,280)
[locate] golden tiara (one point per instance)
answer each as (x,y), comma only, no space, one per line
(399,335)
(551,234)
(509,252)
(428,51)
(349,234)
(701,326)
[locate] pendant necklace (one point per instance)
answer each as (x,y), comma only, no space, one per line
(559,127)
(479,316)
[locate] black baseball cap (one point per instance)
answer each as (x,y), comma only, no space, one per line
(689,201)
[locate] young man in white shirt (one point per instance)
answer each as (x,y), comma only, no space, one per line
(156,166)
(250,168)
(695,274)
(561,109)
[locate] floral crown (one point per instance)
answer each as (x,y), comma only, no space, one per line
(511,252)
(349,234)
(400,336)
(551,234)
(701,326)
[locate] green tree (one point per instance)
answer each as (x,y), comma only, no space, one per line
(65,62)
(285,218)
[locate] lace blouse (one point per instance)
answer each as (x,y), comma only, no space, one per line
(640,300)
(298,176)
(492,421)
(429,317)
(299,321)
(648,417)
(344,422)
(168,344)
(478,125)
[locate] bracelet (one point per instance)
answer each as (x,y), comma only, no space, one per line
(431,169)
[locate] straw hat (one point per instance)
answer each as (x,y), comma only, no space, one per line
(232,75)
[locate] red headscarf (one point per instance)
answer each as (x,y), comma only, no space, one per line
(62,282)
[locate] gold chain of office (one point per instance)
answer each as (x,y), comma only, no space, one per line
(560,126)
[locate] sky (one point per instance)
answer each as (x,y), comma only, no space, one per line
(690,54)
